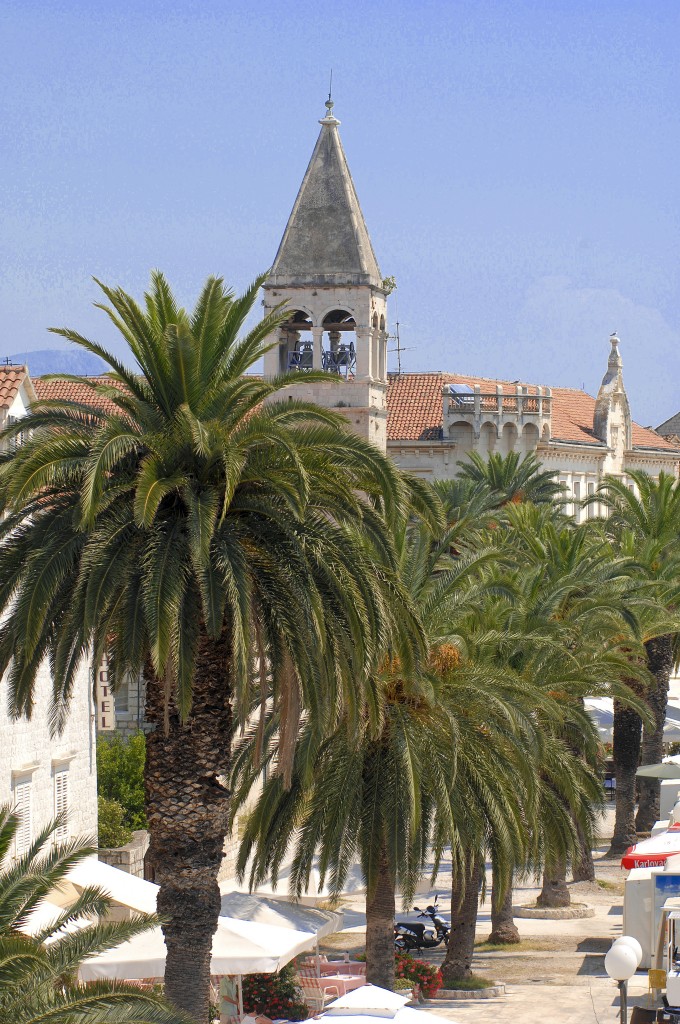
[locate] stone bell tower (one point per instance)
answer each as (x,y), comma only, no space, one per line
(327,274)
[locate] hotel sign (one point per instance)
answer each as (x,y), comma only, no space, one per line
(106,707)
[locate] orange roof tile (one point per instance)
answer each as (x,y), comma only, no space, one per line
(415,410)
(11,378)
(74,391)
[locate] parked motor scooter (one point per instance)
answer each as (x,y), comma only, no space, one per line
(410,935)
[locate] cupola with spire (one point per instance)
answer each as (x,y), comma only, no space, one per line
(326,272)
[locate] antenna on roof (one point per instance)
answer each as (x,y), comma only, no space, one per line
(398,348)
(330,88)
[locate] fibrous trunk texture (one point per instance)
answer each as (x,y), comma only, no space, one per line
(187,807)
(627,738)
(464,903)
(583,868)
(660,664)
(380,910)
(555,891)
(503,928)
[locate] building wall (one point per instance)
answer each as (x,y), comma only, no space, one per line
(578,467)
(29,755)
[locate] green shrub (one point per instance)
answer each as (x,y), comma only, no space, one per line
(274,995)
(402,985)
(112,829)
(120,775)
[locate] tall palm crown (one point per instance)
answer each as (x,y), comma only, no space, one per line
(193,526)
(512,478)
(644,521)
(447,751)
(40,957)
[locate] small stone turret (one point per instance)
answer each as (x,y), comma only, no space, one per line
(612,421)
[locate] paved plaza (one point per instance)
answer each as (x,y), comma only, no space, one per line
(557,975)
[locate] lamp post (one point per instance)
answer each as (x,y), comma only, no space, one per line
(621,963)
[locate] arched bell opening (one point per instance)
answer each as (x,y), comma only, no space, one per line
(296,343)
(339,353)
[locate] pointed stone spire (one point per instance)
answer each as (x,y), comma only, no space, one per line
(326,241)
(612,420)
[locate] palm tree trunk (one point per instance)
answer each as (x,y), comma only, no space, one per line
(660,664)
(555,892)
(187,807)
(627,737)
(503,928)
(583,868)
(380,910)
(464,903)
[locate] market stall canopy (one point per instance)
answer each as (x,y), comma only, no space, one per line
(244,906)
(46,915)
(239,947)
(664,770)
(123,888)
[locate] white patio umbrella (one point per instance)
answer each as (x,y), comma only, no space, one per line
(245,906)
(601,710)
(369,997)
(369,1004)
(239,947)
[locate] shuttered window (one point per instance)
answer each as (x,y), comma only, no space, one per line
(23,790)
(61,802)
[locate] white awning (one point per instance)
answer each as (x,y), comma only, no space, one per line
(239,947)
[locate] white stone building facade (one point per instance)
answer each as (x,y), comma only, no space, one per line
(41,775)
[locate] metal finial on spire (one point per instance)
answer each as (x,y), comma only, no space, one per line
(330,118)
(329,102)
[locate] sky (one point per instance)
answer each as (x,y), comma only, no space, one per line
(516,162)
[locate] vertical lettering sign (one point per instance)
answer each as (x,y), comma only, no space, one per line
(106,708)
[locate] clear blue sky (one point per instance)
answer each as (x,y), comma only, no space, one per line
(517,164)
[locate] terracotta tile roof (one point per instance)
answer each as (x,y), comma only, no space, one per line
(11,378)
(73,391)
(415,413)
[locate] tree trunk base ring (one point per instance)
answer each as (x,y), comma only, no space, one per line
(575,912)
(495,990)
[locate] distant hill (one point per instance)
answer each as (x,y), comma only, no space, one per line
(59,360)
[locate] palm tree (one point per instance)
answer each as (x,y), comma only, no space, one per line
(192,521)
(511,478)
(645,522)
(38,978)
(580,594)
(410,776)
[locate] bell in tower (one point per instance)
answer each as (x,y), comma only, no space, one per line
(327,274)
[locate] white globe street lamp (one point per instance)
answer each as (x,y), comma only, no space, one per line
(621,963)
(628,940)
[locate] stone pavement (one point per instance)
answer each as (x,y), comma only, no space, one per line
(596,1002)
